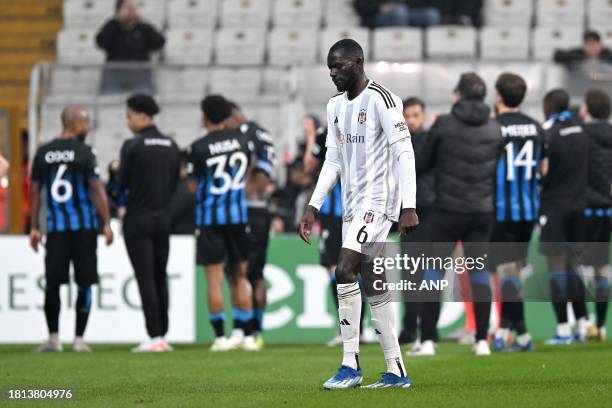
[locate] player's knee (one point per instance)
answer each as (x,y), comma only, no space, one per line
(345,273)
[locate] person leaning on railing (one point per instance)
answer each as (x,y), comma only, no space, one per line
(127,38)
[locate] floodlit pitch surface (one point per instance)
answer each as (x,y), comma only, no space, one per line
(291,375)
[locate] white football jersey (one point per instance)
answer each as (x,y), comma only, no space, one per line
(363,130)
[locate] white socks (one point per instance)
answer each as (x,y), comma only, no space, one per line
(383,318)
(349,313)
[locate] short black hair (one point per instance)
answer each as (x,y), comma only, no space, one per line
(349,47)
(143,104)
(556,101)
(597,103)
(471,87)
(512,89)
(233,105)
(591,35)
(119,4)
(413,101)
(216,108)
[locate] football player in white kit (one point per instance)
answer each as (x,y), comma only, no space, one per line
(369,149)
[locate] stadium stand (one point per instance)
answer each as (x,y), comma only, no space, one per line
(240,46)
(451,42)
(564,13)
(192,13)
(78,46)
(297,13)
(293,46)
(547,39)
(332,34)
(188,46)
(397,44)
(245,13)
(599,13)
(504,43)
(508,13)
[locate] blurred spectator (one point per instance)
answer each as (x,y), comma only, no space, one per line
(385,13)
(299,182)
(113,190)
(4,166)
(183,204)
(592,50)
(126,38)
(464,12)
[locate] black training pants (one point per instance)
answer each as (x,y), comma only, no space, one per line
(147,239)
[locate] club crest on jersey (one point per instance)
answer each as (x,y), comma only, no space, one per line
(368,217)
(362,117)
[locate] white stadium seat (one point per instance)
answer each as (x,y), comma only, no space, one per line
(504,43)
(397,44)
(111,116)
(293,46)
(439,81)
(192,13)
(403,79)
(75,46)
(451,42)
(315,85)
(240,46)
(276,81)
(560,13)
(331,35)
(297,13)
(75,80)
(245,13)
(90,14)
(188,46)
(152,11)
(508,13)
(181,82)
(340,13)
(600,13)
(183,122)
(236,83)
(546,40)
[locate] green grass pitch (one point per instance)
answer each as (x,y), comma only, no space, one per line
(291,376)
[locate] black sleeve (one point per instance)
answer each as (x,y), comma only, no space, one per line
(37,169)
(319,149)
(125,164)
(568,56)
(155,40)
(107,34)
(426,159)
(177,170)
(91,167)
(181,202)
(194,163)
(606,55)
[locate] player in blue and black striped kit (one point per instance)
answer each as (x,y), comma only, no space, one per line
(65,172)
(218,168)
(517,202)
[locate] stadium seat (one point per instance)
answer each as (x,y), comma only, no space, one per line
(77,46)
(560,13)
(188,46)
(245,13)
(315,85)
(599,13)
(192,13)
(240,46)
(397,44)
(111,116)
(277,81)
(181,82)
(297,13)
(292,46)
(546,40)
(403,79)
(331,35)
(152,11)
(439,81)
(508,13)
(236,83)
(107,141)
(451,42)
(89,14)
(183,122)
(504,43)
(340,13)
(50,122)
(71,80)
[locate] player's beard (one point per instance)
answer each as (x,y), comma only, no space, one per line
(82,136)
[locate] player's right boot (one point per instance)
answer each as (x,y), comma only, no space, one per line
(222,344)
(346,377)
(335,342)
(249,343)
(49,346)
(481,348)
(151,346)
(390,380)
(559,340)
(79,346)
(426,348)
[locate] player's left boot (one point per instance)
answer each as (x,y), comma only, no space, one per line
(49,346)
(601,334)
(346,377)
(559,340)
(390,380)
(249,343)
(481,348)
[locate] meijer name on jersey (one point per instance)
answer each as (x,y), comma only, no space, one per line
(224,146)
(66,156)
(158,142)
(527,130)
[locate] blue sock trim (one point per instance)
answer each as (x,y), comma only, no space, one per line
(511,280)
(480,278)
(217,316)
(431,276)
(332,278)
(242,315)
(87,291)
(259,314)
(602,283)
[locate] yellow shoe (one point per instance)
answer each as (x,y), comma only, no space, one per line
(601,334)
(592,332)
(259,341)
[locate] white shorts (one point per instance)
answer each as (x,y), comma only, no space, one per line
(364,230)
